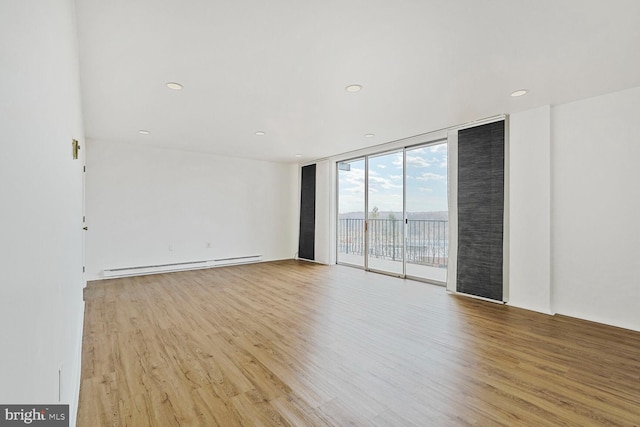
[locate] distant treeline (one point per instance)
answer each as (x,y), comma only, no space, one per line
(442,215)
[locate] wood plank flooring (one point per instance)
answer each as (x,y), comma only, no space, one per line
(297,344)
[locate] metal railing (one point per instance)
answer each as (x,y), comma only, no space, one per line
(427,240)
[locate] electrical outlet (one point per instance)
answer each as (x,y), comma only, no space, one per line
(170,248)
(208,244)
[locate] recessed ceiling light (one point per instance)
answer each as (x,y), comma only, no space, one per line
(354,88)
(369,135)
(144,132)
(298,155)
(174,86)
(259,133)
(519,93)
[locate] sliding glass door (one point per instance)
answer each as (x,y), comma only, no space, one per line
(351,212)
(385,228)
(427,241)
(393,212)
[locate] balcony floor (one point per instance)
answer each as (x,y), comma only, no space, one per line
(395,267)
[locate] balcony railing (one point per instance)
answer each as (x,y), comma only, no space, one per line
(427,240)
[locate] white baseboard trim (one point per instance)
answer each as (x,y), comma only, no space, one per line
(475,297)
(537,310)
(113,273)
(311,261)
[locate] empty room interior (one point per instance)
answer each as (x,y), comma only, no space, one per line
(326,213)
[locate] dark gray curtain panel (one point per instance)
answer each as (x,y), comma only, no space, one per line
(307,240)
(481,210)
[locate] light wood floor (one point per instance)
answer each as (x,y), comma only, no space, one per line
(293,343)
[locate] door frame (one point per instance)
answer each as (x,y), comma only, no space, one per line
(403,148)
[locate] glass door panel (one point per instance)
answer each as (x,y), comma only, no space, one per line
(385,231)
(351,210)
(427,212)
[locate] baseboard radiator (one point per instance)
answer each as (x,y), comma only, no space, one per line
(179,266)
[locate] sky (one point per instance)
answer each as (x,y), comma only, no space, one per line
(426,182)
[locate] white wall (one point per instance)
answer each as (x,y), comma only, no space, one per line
(41,307)
(595,213)
(142,200)
(530,209)
(325,212)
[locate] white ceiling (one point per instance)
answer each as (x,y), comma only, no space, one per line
(281,66)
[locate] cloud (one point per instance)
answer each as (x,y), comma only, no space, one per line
(356,189)
(428,176)
(378,181)
(440,148)
(397,161)
(385,181)
(352,181)
(417,161)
